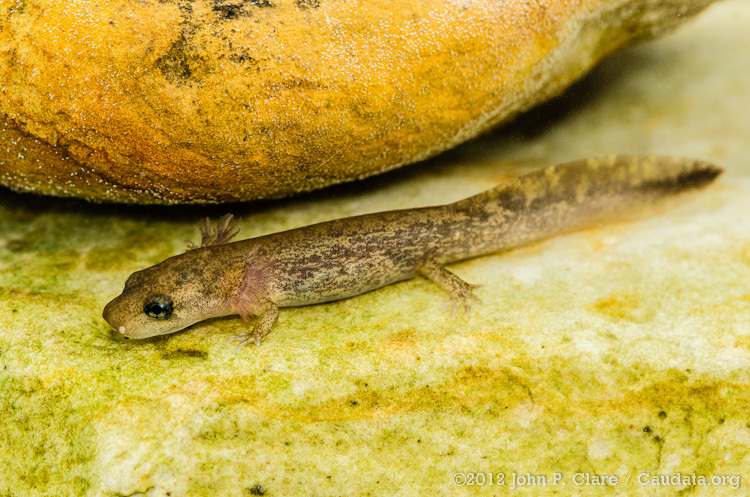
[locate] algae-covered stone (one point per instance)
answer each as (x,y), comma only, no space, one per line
(620,351)
(211,101)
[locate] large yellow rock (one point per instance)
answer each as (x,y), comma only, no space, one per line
(165,101)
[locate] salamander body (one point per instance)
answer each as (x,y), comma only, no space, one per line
(347,257)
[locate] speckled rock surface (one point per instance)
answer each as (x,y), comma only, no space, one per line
(170,101)
(621,350)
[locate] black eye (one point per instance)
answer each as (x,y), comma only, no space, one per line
(159,307)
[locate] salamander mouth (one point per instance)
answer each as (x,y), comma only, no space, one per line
(121,333)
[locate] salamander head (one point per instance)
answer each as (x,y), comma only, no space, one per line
(170,296)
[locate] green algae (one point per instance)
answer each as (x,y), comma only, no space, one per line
(48,441)
(341,388)
(615,351)
(559,371)
(365,384)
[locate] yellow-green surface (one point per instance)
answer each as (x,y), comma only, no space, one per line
(616,351)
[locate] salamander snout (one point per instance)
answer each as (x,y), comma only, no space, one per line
(110,316)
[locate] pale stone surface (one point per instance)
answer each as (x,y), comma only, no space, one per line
(617,351)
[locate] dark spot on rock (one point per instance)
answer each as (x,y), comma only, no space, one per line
(180,64)
(17,9)
(184,354)
(662,415)
(308,4)
(243,58)
(228,11)
(646,429)
(256,489)
(186,8)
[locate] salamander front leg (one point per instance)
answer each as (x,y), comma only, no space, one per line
(460,292)
(263,326)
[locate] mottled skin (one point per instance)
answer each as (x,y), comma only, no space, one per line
(346,257)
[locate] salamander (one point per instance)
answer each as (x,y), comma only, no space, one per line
(347,257)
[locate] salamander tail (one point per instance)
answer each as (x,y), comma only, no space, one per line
(577,195)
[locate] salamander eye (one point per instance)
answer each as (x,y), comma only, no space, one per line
(159,307)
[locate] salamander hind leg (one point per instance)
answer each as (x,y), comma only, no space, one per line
(460,292)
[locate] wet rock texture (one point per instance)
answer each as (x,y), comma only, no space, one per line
(214,100)
(617,351)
